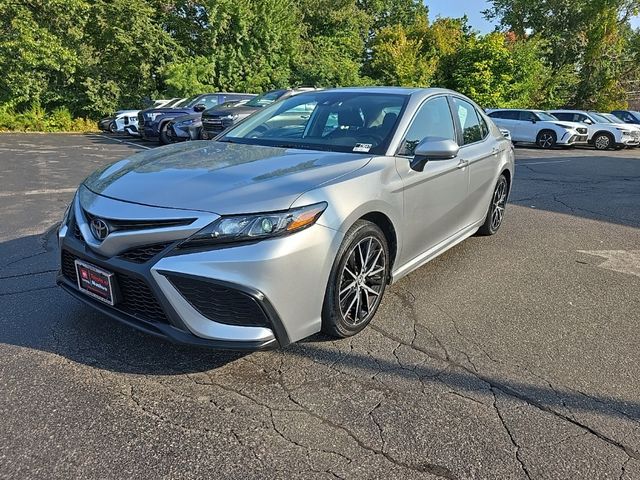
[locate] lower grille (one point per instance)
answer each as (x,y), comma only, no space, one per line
(137,299)
(219,303)
(143,254)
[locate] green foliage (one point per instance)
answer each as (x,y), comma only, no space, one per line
(67,59)
(36,119)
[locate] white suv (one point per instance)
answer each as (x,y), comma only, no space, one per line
(537,126)
(602,133)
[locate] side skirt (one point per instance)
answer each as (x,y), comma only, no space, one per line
(433,252)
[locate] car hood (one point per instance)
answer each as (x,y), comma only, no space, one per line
(240,110)
(221,178)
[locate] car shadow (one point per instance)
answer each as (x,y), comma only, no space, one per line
(38,315)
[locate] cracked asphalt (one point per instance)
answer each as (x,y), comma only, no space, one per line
(510,357)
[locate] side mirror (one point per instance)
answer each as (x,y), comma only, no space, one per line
(587,121)
(433,148)
(534,120)
(199,108)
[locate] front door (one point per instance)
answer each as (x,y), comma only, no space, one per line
(434,199)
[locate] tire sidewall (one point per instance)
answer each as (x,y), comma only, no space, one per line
(164,138)
(332,320)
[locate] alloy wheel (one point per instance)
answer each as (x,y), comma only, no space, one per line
(602,142)
(362,281)
(498,204)
(546,140)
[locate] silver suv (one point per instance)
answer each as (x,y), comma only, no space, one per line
(293,222)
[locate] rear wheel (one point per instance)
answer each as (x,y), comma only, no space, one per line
(496,209)
(357,281)
(113,128)
(603,141)
(546,139)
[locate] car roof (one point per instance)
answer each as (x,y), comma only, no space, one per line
(390,90)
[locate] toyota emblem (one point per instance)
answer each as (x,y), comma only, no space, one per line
(99,228)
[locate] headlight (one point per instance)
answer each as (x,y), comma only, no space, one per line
(231,116)
(258,226)
(624,132)
(186,123)
(153,116)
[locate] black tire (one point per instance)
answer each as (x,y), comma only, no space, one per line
(619,147)
(113,128)
(164,137)
(497,207)
(603,141)
(343,316)
(546,139)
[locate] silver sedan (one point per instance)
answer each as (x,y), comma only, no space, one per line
(292,222)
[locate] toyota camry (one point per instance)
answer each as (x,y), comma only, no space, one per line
(292,222)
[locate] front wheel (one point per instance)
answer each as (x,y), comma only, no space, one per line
(496,209)
(357,282)
(546,139)
(113,128)
(603,141)
(164,134)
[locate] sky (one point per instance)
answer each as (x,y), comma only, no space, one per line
(473,9)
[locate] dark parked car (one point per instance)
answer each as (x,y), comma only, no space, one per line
(153,123)
(215,120)
(188,127)
(628,116)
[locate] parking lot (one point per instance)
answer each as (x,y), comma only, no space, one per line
(508,357)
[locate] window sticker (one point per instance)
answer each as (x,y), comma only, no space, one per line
(362,147)
(462,115)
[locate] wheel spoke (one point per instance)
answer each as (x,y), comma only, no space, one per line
(347,288)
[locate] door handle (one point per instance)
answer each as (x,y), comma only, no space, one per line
(463,163)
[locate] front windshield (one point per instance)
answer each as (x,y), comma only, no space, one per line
(546,117)
(339,121)
(172,103)
(600,118)
(610,117)
(265,99)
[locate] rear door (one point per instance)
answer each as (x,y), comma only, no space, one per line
(528,126)
(480,150)
(434,199)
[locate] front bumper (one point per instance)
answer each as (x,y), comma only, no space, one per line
(178,133)
(573,139)
(279,284)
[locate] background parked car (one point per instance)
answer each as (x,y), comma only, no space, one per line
(216,120)
(153,123)
(188,127)
(122,118)
(602,133)
(537,126)
(628,116)
(615,120)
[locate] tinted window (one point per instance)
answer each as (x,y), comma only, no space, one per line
(484,128)
(505,114)
(527,116)
(567,117)
(469,122)
(432,120)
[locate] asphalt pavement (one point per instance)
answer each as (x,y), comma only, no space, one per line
(509,357)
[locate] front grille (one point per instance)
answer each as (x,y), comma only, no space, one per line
(126,120)
(136,299)
(143,254)
(215,124)
(120,225)
(219,303)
